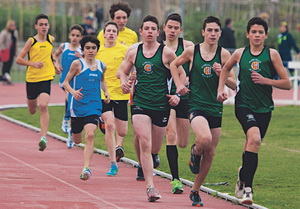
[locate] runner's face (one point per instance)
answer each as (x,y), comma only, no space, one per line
(111,33)
(172,29)
(42,26)
(75,36)
(257,35)
(121,19)
(211,33)
(90,50)
(149,32)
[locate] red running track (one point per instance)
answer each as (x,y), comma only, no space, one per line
(50,179)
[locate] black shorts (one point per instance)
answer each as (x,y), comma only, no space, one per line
(181,109)
(159,118)
(213,122)
(78,123)
(249,119)
(33,90)
(119,107)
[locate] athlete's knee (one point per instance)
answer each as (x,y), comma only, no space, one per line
(254,140)
(89,136)
(122,132)
(32,110)
(144,145)
(43,107)
(204,141)
(183,143)
(110,126)
(171,137)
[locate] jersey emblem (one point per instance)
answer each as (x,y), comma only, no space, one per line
(207,70)
(148,67)
(255,65)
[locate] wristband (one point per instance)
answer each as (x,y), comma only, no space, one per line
(178,95)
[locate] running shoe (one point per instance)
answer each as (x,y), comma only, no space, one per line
(43,144)
(119,153)
(113,171)
(196,199)
(247,197)
(70,142)
(140,174)
(156,160)
(177,187)
(194,161)
(153,194)
(240,186)
(101,125)
(7,78)
(66,125)
(85,174)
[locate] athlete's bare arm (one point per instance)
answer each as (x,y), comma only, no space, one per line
(235,58)
(21,58)
(186,56)
(74,71)
(283,82)
(103,85)
(124,74)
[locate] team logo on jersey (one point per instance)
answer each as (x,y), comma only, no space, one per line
(255,65)
(148,67)
(250,118)
(207,70)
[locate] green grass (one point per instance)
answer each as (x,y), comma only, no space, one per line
(276,183)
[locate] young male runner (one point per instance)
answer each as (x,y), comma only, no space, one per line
(253,101)
(178,128)
(83,82)
(150,111)
(114,114)
(119,13)
(205,112)
(40,72)
(70,51)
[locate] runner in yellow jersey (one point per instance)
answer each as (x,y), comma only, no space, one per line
(114,114)
(40,72)
(120,13)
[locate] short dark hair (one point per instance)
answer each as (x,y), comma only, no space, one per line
(228,21)
(211,19)
(150,18)
(40,16)
(91,39)
(175,17)
(124,6)
(77,27)
(257,21)
(110,23)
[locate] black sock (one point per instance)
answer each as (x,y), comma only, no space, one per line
(249,167)
(242,169)
(172,155)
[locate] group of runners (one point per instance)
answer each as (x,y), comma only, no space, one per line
(173,85)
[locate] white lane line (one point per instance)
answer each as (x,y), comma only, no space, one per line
(60,180)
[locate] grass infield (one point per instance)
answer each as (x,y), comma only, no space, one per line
(275,183)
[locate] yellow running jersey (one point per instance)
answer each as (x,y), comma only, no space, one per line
(126,37)
(113,57)
(40,52)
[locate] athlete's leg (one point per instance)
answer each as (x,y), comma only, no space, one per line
(203,134)
(44,113)
(142,128)
(207,159)
(77,138)
(171,132)
(109,120)
(158,134)
(121,131)
(32,105)
(89,143)
(183,132)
